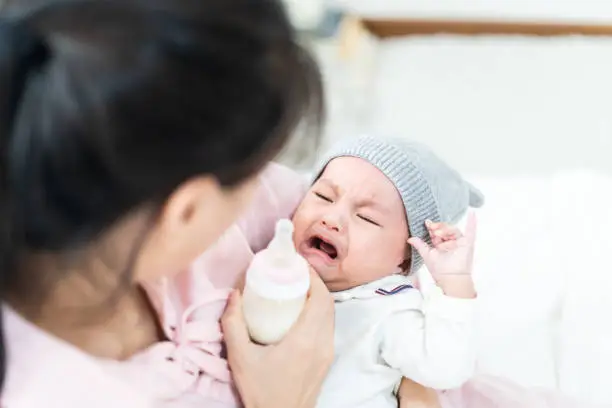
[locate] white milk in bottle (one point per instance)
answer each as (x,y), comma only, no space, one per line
(276,286)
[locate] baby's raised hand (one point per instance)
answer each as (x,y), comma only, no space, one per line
(450,257)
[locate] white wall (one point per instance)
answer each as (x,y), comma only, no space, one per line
(500,105)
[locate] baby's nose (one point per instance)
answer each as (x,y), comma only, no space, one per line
(331,224)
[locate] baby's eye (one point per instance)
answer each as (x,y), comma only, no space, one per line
(323,197)
(368,220)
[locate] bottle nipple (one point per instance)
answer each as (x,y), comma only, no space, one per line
(282,243)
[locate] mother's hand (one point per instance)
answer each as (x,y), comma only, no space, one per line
(290,373)
(413,395)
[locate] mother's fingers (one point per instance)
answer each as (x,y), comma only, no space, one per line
(235,332)
(318,291)
(320,302)
(319,306)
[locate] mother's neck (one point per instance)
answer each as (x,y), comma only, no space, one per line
(115,323)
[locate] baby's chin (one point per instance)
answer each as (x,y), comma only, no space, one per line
(338,285)
(330,272)
(332,279)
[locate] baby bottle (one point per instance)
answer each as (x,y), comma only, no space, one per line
(277,282)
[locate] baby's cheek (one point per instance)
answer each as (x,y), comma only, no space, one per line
(370,262)
(298,226)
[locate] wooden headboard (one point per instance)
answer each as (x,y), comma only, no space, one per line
(385,28)
(354,28)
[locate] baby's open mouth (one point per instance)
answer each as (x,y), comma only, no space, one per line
(323,246)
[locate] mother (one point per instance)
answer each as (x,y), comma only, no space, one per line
(131,134)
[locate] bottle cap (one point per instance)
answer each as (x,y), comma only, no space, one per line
(279,272)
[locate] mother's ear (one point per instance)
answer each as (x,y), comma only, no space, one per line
(192,218)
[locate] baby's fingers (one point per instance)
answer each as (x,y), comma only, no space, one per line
(432,228)
(447,246)
(441,232)
(421,246)
(470,228)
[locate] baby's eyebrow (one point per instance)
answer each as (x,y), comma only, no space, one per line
(375,204)
(330,183)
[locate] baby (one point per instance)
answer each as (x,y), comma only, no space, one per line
(365,225)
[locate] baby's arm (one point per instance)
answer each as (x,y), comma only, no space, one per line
(431,341)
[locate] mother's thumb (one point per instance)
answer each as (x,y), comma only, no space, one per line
(233,324)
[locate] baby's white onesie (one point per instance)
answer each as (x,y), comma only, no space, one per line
(385,330)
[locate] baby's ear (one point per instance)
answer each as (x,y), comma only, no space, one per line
(405,265)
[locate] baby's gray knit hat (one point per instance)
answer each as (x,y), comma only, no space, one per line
(430,189)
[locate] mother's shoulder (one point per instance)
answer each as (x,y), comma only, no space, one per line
(280,191)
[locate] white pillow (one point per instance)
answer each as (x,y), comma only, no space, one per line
(584,225)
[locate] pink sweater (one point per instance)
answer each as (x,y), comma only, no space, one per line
(188,370)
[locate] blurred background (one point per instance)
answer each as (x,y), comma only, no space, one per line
(516,95)
(504,104)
